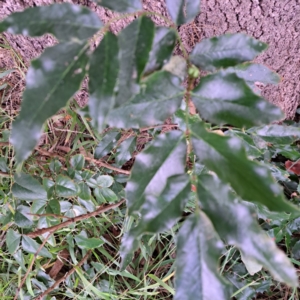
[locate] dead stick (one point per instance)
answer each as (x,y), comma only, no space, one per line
(51,288)
(31,265)
(73,220)
(51,215)
(5,174)
(107,166)
(4,144)
(97,162)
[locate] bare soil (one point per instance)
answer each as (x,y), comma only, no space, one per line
(276,22)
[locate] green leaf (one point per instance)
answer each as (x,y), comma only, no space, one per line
(31,246)
(277,134)
(296,250)
(106,194)
(53,207)
(227,158)
(50,82)
(234,222)
(123,6)
(3,164)
(28,188)
(65,187)
(104,181)
(224,98)
(124,152)
(65,21)
(22,217)
(251,150)
(177,65)
(55,166)
(47,184)
(162,48)
(85,192)
(103,72)
(278,173)
(7,72)
(225,51)
(107,143)
(197,259)
(290,152)
(183,11)
(251,264)
(88,204)
(88,243)
(252,73)
(164,158)
(161,89)
(12,240)
(158,213)
(135,43)
(3,86)
(77,162)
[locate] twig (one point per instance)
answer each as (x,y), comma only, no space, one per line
(95,161)
(50,289)
(31,265)
(107,166)
(4,144)
(73,220)
(49,154)
(51,215)
(156,126)
(5,174)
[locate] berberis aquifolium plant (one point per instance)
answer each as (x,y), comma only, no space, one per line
(135,82)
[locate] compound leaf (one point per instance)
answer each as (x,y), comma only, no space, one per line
(13,239)
(103,72)
(224,98)
(124,152)
(85,192)
(164,158)
(77,162)
(65,21)
(183,11)
(88,243)
(135,43)
(51,81)
(31,246)
(198,252)
(53,207)
(65,187)
(28,188)
(122,6)
(107,143)
(252,73)
(249,179)
(247,141)
(226,51)
(159,212)
(234,222)
(277,134)
(162,48)
(161,89)
(23,217)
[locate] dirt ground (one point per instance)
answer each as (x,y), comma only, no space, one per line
(276,22)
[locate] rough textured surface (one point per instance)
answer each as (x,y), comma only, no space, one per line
(276,22)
